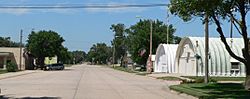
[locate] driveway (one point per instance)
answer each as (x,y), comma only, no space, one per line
(85,82)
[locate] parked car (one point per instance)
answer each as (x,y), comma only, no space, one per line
(57,66)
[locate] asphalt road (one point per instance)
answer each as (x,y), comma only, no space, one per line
(85,82)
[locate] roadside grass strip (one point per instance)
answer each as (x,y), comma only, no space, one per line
(131,71)
(170,78)
(124,69)
(3,71)
(213,90)
(68,65)
(143,73)
(218,78)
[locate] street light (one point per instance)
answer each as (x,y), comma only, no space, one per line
(150,46)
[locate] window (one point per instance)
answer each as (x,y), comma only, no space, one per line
(235,65)
(188,55)
(235,68)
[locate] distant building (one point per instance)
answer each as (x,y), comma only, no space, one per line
(11,54)
(150,65)
(50,60)
(165,57)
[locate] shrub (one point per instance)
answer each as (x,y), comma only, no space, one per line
(198,80)
(185,81)
(11,67)
(212,80)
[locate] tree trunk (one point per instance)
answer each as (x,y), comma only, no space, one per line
(41,62)
(247,80)
(122,60)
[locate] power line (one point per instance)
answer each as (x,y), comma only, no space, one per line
(78,6)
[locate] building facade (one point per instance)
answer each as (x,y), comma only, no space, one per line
(190,57)
(165,57)
(150,63)
(11,54)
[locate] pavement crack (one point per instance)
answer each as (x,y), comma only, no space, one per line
(78,83)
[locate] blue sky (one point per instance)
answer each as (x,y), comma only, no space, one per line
(81,28)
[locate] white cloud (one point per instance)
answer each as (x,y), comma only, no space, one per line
(22,11)
(15,11)
(58,10)
(115,10)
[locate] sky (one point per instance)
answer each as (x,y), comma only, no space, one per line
(81,28)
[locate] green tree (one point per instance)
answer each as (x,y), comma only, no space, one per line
(11,67)
(138,38)
(78,56)
(119,41)
(99,53)
(64,56)
(219,11)
(43,44)
(6,42)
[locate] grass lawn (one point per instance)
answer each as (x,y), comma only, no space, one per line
(169,78)
(3,71)
(124,69)
(143,73)
(213,90)
(68,65)
(219,78)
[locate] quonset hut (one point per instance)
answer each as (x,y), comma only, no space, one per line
(190,57)
(165,57)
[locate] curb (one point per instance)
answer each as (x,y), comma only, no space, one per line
(12,76)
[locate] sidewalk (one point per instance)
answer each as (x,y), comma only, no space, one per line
(156,75)
(15,74)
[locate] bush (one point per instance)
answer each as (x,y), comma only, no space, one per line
(11,67)
(213,80)
(185,81)
(198,80)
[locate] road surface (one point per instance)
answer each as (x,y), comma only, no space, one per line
(85,82)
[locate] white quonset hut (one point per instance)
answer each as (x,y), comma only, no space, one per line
(190,57)
(165,57)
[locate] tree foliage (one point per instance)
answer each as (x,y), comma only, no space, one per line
(138,38)
(11,67)
(43,44)
(6,42)
(119,41)
(99,53)
(64,56)
(78,56)
(219,11)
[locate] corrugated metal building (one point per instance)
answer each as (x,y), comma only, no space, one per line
(190,57)
(165,57)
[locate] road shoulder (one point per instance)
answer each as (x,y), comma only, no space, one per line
(16,74)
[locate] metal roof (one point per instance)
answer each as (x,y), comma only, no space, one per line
(220,60)
(164,59)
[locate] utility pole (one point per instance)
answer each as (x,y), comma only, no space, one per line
(167,27)
(206,48)
(231,27)
(20,46)
(113,56)
(150,47)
